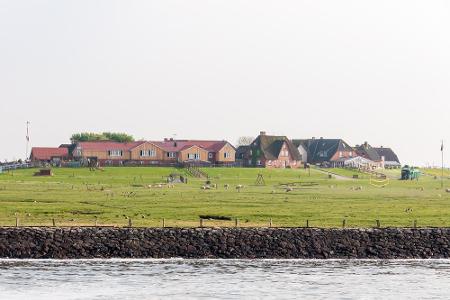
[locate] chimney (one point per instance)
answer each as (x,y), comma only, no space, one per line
(166,139)
(262,133)
(313,138)
(366,145)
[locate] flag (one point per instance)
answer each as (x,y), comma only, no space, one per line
(442,146)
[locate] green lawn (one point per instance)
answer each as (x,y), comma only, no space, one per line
(80,197)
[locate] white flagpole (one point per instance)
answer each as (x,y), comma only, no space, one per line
(442,175)
(28,141)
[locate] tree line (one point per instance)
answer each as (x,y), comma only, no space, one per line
(104,136)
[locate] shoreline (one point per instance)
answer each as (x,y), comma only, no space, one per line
(223,243)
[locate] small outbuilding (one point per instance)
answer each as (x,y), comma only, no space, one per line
(47,155)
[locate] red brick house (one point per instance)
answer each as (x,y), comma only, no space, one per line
(271,151)
(167,152)
(328,152)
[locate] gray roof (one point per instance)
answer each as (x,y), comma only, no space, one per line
(388,153)
(271,145)
(367,151)
(322,150)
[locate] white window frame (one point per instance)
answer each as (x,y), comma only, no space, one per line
(194,156)
(148,153)
(171,154)
(226,155)
(115,153)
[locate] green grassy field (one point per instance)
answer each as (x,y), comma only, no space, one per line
(80,197)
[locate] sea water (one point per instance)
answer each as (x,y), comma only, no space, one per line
(224,279)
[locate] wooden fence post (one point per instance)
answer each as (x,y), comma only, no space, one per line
(201,223)
(270,223)
(344,223)
(415,224)
(163,222)
(378,224)
(307,223)
(17,221)
(236,222)
(130,223)
(53,222)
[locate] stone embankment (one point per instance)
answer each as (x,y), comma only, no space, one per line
(306,243)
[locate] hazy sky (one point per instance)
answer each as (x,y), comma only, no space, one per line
(360,70)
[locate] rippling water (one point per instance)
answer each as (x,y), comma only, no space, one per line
(224,279)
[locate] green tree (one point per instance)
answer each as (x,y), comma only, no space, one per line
(105,136)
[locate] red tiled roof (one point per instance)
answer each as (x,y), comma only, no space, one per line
(108,145)
(43,153)
(178,145)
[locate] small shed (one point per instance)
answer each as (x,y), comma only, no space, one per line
(44,172)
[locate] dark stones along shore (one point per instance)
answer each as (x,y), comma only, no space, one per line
(306,243)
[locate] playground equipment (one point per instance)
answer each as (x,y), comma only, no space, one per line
(410,173)
(379,182)
(260,180)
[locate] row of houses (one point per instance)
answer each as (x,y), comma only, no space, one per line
(281,152)
(267,151)
(164,153)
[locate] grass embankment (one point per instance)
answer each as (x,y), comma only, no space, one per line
(79,197)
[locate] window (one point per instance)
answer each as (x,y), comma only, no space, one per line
(226,155)
(171,154)
(350,154)
(341,154)
(148,153)
(115,153)
(193,156)
(210,155)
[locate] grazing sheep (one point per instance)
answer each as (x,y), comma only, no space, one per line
(206,187)
(226,186)
(239,187)
(447,190)
(109,193)
(289,189)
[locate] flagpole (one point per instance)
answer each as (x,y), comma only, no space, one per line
(442,175)
(28,141)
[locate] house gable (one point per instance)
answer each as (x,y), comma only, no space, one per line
(147,151)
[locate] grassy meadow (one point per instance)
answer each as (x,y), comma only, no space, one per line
(109,197)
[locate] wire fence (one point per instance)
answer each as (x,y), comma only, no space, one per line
(213,223)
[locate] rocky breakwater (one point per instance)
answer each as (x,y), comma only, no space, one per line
(308,243)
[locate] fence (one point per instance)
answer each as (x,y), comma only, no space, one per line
(14,166)
(212,223)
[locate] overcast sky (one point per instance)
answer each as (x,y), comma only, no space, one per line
(376,71)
